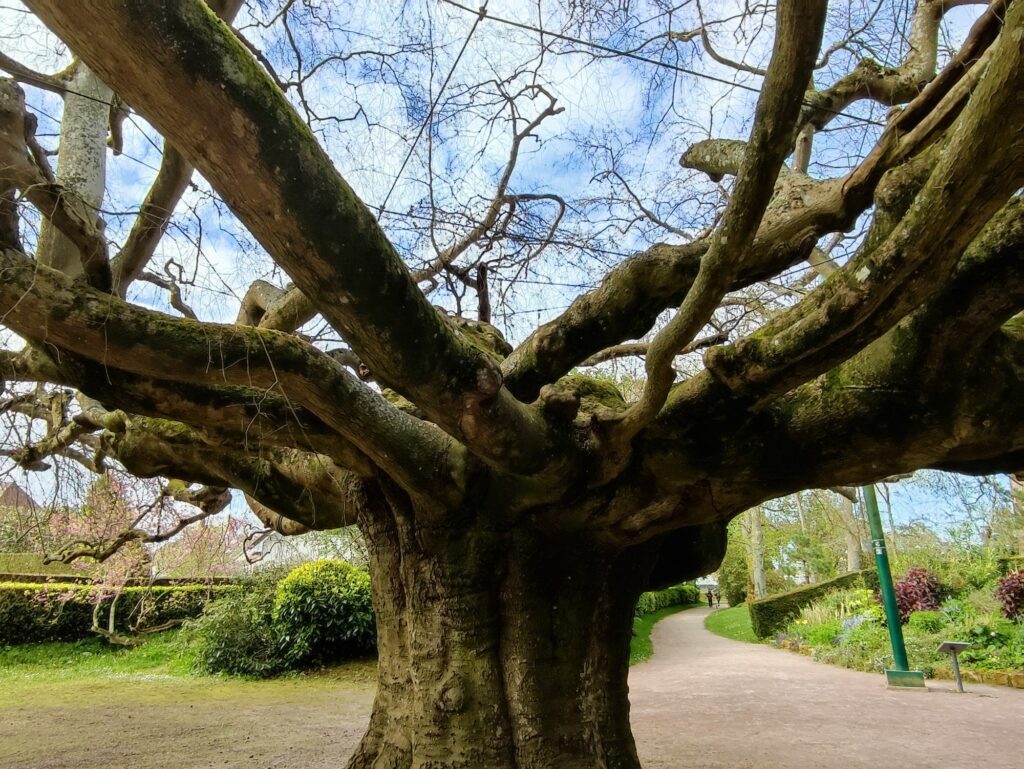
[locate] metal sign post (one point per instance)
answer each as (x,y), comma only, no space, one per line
(902,676)
(953,648)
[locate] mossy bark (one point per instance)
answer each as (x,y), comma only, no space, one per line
(498,648)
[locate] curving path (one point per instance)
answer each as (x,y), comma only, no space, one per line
(706,702)
(701,702)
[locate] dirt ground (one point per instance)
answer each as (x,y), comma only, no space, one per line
(702,702)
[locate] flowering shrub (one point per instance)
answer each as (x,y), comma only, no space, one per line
(1010,593)
(917,591)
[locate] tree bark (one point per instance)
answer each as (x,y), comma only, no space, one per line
(81,162)
(851,535)
(498,649)
(1017,504)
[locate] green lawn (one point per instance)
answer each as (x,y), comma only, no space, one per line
(641,648)
(732,623)
(161,654)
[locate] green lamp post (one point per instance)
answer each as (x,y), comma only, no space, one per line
(902,675)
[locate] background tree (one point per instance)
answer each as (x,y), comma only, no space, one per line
(508,502)
(734,578)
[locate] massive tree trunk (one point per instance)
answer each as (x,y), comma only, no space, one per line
(500,647)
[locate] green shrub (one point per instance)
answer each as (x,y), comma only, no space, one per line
(958,569)
(323,612)
(733,574)
(33,612)
(679,595)
(981,602)
(1008,563)
(839,605)
(318,612)
(927,621)
(236,634)
(864,647)
(770,615)
(826,634)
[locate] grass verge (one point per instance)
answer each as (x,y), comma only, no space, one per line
(161,655)
(640,647)
(77,674)
(733,623)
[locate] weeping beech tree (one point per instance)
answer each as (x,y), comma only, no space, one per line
(514,508)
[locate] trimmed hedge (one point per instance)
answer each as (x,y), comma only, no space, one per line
(680,595)
(771,615)
(31,564)
(34,613)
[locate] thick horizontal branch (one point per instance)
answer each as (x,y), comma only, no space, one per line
(236,417)
(302,487)
(46,306)
(891,422)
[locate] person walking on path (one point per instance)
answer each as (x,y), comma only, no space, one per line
(718,600)
(711,598)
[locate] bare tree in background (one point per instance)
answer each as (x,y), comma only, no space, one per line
(515,509)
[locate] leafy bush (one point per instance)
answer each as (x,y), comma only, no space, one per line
(838,605)
(917,591)
(927,621)
(733,574)
(959,569)
(324,613)
(236,634)
(954,610)
(865,647)
(1010,593)
(318,612)
(981,602)
(33,612)
(772,614)
(827,633)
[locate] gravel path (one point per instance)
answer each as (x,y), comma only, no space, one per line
(706,702)
(701,702)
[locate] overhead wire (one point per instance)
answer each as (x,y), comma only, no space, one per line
(645,59)
(433,105)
